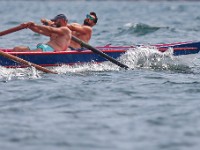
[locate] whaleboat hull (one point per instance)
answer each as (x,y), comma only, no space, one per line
(78,57)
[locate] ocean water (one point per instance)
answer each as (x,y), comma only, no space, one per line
(154,105)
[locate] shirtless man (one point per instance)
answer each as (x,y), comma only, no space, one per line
(60,36)
(84,31)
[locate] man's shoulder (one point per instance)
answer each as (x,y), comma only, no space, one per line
(77,24)
(88,28)
(65,29)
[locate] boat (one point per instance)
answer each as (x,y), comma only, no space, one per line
(50,59)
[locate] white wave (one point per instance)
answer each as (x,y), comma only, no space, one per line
(87,67)
(7,74)
(145,56)
(139,57)
(151,57)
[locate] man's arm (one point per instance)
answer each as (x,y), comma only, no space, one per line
(47,22)
(47,30)
(32,26)
(79,28)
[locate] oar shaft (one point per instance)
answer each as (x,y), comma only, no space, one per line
(82,43)
(22,61)
(11,30)
(17,59)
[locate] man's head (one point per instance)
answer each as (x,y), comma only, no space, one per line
(60,20)
(91,19)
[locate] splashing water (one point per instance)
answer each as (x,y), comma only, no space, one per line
(149,57)
(7,74)
(146,57)
(87,67)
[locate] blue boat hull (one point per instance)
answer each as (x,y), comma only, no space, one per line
(74,57)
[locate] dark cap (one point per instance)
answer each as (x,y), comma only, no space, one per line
(60,16)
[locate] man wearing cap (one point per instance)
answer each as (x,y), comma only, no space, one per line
(60,36)
(83,32)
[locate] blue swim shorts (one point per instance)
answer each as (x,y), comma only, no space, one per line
(44,47)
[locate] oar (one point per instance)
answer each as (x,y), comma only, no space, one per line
(83,44)
(11,30)
(17,59)
(22,61)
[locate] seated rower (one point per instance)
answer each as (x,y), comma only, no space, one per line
(84,31)
(60,36)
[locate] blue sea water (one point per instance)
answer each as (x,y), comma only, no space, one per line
(153,106)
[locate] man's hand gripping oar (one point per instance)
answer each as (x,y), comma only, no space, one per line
(17,59)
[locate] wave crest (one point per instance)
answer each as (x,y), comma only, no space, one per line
(138,29)
(150,57)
